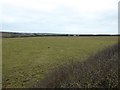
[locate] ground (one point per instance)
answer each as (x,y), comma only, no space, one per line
(28,60)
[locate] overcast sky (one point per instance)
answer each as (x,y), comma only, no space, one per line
(60,16)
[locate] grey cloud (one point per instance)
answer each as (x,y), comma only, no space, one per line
(58,20)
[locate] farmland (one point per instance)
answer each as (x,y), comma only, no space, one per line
(28,60)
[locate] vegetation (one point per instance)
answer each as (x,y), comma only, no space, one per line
(98,71)
(18,35)
(27,61)
(0,61)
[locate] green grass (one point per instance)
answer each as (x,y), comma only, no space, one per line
(28,60)
(0,62)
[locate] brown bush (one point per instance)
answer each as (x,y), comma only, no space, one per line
(98,71)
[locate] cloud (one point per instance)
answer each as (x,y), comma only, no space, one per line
(60,16)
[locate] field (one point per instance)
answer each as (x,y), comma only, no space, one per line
(99,70)
(0,62)
(28,60)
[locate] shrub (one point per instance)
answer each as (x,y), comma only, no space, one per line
(98,71)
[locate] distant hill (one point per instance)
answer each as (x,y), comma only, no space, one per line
(16,34)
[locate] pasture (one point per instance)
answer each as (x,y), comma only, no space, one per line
(27,60)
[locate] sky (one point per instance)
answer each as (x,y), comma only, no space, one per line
(59,16)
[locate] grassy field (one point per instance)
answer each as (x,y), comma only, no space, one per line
(99,70)
(0,62)
(27,60)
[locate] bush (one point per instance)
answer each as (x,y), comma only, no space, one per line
(98,71)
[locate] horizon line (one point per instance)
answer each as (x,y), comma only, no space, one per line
(61,33)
